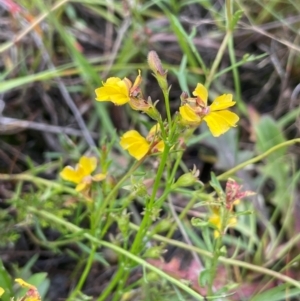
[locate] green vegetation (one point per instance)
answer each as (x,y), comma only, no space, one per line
(149,150)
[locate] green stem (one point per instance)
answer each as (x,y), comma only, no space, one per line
(116,279)
(37,181)
(167,103)
(225,215)
(74,229)
(217,60)
(84,274)
(147,216)
(225,260)
(182,215)
(98,215)
(145,222)
(106,201)
(214,265)
(228,173)
(236,77)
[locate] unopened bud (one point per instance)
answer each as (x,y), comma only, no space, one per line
(187,179)
(183,97)
(155,252)
(155,63)
(156,66)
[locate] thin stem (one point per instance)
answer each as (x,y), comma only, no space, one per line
(149,206)
(235,73)
(37,181)
(182,215)
(74,229)
(217,60)
(147,216)
(116,279)
(225,260)
(31,26)
(214,264)
(115,190)
(167,103)
(228,173)
(84,274)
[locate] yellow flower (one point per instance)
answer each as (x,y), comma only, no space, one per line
(1,291)
(218,118)
(136,144)
(32,294)
(139,146)
(216,221)
(118,91)
(81,174)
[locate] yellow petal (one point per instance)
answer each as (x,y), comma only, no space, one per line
(139,150)
(112,81)
(222,102)
(155,129)
(136,144)
(99,177)
(71,174)
(232,221)
(201,92)
(215,220)
(129,138)
(114,90)
(160,146)
(88,164)
(32,294)
(137,81)
(83,186)
(216,233)
(1,291)
(221,121)
(23,283)
(188,115)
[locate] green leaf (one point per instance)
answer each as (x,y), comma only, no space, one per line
(198,222)
(235,18)
(269,134)
(215,184)
(5,282)
(278,293)
(204,277)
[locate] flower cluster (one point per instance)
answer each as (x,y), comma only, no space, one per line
(223,217)
(193,110)
(32,293)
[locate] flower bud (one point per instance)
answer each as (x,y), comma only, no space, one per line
(183,97)
(145,106)
(154,252)
(123,222)
(156,66)
(187,179)
(163,225)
